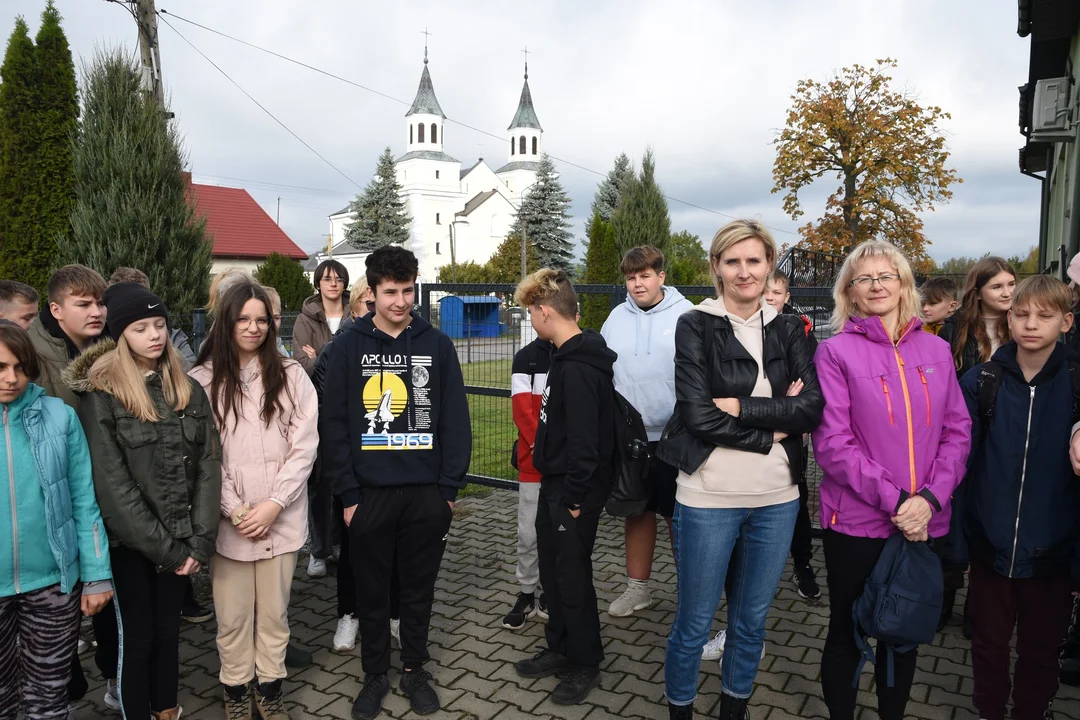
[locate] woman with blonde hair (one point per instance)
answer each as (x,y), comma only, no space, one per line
(746,391)
(222,283)
(157,473)
(266,409)
(892,446)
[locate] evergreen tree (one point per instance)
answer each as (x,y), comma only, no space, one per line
(59,113)
(469,273)
(601,268)
(131,201)
(642,216)
(686,260)
(610,188)
(545,209)
(20,138)
(505,265)
(287,277)
(380,212)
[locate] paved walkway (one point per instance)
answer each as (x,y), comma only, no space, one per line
(473,654)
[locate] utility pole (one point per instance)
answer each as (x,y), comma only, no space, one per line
(278,211)
(524,248)
(150,50)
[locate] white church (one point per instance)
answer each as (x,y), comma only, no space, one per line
(473,209)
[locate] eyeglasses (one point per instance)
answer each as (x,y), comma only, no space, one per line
(866,282)
(260,322)
(332,280)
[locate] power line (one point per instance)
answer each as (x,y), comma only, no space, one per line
(277,186)
(261,107)
(347,81)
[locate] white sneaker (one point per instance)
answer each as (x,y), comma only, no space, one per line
(316,568)
(395,630)
(345,635)
(636,597)
(714,649)
(112,699)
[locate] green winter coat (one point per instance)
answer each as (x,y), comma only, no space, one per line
(158,484)
(54,358)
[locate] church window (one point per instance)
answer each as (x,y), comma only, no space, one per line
(512,144)
(437,250)
(434,132)
(420,133)
(436,174)
(521,144)
(410,133)
(534,146)
(437,221)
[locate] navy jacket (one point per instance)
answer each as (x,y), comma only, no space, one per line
(1022,498)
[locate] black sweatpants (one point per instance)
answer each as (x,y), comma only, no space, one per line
(848,563)
(347,589)
(564,545)
(802,541)
(411,522)
(148,605)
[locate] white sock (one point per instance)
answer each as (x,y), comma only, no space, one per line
(633,584)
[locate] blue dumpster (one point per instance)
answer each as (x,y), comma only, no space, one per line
(470,316)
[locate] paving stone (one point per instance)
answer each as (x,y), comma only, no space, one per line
(473,655)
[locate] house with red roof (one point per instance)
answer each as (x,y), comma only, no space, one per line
(243,233)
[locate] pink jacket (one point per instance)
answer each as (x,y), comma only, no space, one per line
(260,462)
(895,425)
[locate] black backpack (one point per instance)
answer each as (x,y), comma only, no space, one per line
(631,488)
(901,602)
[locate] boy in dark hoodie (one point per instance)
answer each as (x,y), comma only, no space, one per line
(1022,506)
(574,453)
(396,443)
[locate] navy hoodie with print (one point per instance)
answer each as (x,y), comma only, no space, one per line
(394,411)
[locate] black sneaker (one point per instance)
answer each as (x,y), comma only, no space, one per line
(541,607)
(806,583)
(576,684)
(680,712)
(545,664)
(193,612)
(296,658)
(417,687)
(523,609)
(368,703)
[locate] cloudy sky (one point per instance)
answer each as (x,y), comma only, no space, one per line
(706,84)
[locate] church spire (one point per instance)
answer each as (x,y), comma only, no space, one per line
(525,117)
(425,102)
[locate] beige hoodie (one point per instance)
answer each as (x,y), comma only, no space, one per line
(731,478)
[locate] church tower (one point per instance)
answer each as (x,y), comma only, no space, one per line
(429,178)
(526,137)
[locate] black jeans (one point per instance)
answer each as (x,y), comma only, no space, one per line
(347,589)
(802,542)
(564,545)
(410,523)
(848,563)
(148,604)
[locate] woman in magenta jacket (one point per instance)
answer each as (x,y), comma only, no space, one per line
(892,446)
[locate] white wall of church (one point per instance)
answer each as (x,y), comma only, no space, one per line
(482,179)
(517,182)
(429,235)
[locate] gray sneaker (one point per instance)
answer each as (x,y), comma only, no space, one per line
(636,597)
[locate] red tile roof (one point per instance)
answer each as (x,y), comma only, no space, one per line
(239,225)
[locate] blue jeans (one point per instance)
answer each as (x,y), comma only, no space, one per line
(704,541)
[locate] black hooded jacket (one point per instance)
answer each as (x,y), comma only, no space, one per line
(575,438)
(394,411)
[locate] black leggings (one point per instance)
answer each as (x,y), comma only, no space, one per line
(848,563)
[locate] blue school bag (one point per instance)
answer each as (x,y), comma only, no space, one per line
(901,602)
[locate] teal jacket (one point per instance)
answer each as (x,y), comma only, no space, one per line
(50,526)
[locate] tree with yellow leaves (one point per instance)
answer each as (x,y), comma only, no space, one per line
(887,151)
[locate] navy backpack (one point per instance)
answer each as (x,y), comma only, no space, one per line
(901,602)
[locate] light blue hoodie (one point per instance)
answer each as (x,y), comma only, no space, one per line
(645,343)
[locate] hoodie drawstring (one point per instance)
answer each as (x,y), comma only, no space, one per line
(763,344)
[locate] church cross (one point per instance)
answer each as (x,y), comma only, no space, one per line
(426,34)
(526,51)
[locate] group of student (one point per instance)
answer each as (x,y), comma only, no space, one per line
(131,467)
(970,442)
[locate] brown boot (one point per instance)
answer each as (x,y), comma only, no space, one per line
(268,701)
(173,714)
(239,703)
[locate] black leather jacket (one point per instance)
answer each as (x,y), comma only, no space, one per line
(971,356)
(728,370)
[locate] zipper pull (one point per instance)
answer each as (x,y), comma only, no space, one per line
(834,517)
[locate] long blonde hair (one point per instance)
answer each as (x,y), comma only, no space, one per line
(121,375)
(845,308)
(222,283)
(733,233)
